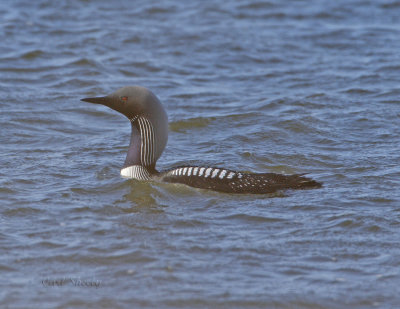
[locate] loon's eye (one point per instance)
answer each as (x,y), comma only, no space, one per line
(124,99)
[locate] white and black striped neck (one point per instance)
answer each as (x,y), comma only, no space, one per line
(143,145)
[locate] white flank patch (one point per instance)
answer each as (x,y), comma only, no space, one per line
(201,171)
(240,175)
(215,172)
(230,175)
(126,172)
(135,172)
(208,172)
(222,174)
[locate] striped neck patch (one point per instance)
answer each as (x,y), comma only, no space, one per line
(148,141)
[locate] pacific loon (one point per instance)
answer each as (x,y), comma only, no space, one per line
(149,135)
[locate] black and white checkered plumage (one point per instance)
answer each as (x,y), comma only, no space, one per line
(223,180)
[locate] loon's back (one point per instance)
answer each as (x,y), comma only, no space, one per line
(223,180)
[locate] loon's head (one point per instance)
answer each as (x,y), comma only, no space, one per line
(149,122)
(130,101)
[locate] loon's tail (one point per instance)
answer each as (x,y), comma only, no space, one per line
(223,180)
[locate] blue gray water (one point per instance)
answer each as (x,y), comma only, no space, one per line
(262,86)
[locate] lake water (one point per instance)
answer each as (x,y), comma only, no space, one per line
(261,86)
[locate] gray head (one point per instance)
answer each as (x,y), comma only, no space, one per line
(130,101)
(149,122)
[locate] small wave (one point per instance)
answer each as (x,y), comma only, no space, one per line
(389,68)
(201,122)
(21,211)
(147,66)
(83,62)
(358,91)
(32,54)
(256,5)
(198,94)
(198,122)
(133,39)
(49,244)
(7,190)
(188,223)
(390,5)
(159,10)
(252,218)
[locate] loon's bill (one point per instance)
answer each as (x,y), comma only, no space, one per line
(149,135)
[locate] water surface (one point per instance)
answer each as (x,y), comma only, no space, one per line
(269,86)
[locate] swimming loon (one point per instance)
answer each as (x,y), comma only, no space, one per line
(149,135)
